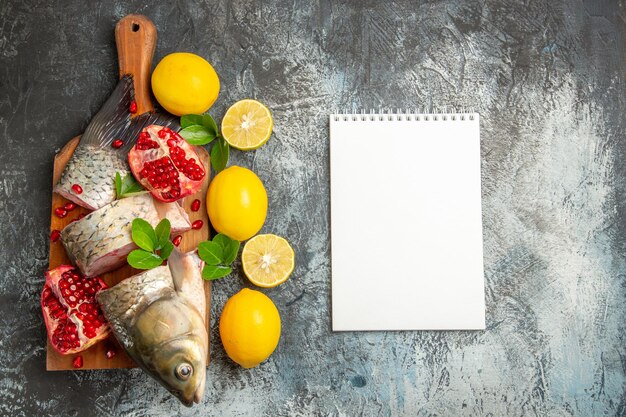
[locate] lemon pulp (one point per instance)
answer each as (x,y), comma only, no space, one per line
(267,260)
(247,125)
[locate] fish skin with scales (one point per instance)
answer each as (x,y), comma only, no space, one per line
(100,241)
(94,169)
(94,162)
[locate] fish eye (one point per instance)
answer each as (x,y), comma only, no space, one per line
(184,371)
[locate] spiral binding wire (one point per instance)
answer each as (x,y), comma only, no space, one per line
(398,115)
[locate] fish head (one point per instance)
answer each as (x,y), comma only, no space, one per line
(180,365)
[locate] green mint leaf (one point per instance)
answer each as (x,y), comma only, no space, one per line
(221,239)
(143,235)
(219,154)
(118,185)
(141,259)
(230,247)
(231,251)
(211,253)
(162,232)
(127,186)
(197,135)
(131,186)
(211,272)
(166,250)
(209,123)
(190,120)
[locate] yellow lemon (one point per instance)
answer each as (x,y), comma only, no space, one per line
(237,203)
(267,260)
(247,125)
(249,327)
(185,83)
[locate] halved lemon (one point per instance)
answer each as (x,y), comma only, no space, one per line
(247,125)
(267,260)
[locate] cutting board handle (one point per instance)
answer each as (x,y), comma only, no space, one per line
(136,36)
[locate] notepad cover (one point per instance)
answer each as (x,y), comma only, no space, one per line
(406,222)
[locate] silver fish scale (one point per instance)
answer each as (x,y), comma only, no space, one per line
(94,169)
(124,302)
(106,230)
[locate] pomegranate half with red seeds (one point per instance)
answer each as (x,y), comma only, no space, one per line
(165,164)
(73,317)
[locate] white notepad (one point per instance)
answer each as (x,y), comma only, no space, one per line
(406,222)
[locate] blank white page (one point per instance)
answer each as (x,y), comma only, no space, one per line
(406,222)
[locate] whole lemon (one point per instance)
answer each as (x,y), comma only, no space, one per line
(249,327)
(237,203)
(185,83)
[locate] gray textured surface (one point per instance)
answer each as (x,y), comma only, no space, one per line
(548,80)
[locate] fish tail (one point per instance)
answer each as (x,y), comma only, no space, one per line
(113,119)
(131,133)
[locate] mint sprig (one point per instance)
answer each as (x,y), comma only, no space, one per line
(219,154)
(154,244)
(197,135)
(201,129)
(218,254)
(198,129)
(127,186)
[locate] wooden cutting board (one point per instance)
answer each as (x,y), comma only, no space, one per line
(135,37)
(94,357)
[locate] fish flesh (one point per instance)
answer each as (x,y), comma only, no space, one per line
(160,330)
(89,177)
(186,271)
(100,241)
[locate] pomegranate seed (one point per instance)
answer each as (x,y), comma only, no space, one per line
(133,107)
(60,212)
(195,206)
(109,353)
(177,240)
(77,362)
(55,235)
(69,206)
(117,143)
(197,224)
(77,189)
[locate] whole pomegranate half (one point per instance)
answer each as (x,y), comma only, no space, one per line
(73,317)
(165,164)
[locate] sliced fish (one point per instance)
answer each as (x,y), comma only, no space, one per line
(100,241)
(160,329)
(94,163)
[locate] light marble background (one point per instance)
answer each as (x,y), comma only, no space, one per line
(548,80)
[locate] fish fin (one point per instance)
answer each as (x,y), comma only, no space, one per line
(113,119)
(131,133)
(186,270)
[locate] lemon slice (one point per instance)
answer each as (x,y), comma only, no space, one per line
(267,260)
(247,125)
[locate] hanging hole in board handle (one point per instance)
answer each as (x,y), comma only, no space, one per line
(135,27)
